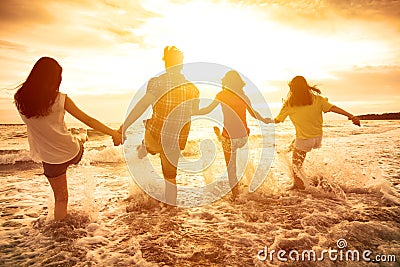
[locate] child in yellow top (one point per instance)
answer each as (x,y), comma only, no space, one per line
(305,106)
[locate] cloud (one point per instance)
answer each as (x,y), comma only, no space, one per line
(316,8)
(371,82)
(369,9)
(20,12)
(118,20)
(72,23)
(12,46)
(328,14)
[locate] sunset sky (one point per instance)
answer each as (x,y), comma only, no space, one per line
(110,48)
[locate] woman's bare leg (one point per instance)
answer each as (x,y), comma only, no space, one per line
(298,159)
(60,189)
(230,160)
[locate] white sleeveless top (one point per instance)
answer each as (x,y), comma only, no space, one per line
(48,136)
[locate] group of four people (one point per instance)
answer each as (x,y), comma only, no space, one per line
(174,100)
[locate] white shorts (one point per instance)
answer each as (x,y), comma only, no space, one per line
(307,144)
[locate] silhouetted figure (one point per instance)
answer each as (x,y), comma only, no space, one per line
(173,100)
(234,103)
(305,106)
(42,107)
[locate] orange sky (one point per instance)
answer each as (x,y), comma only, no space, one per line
(109,48)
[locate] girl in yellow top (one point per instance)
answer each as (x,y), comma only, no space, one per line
(304,106)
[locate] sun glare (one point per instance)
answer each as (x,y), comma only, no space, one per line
(244,38)
(116,49)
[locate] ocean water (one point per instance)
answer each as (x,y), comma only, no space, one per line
(351,203)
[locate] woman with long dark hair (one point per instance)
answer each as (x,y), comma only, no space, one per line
(304,106)
(42,107)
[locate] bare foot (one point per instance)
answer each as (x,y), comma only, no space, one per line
(234,194)
(298,184)
(171,209)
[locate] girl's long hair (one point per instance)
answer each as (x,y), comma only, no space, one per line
(37,94)
(233,82)
(301,94)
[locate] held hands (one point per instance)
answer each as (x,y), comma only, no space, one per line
(355,120)
(117,138)
(267,120)
(122,132)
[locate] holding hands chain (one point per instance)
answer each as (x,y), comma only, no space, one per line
(117,138)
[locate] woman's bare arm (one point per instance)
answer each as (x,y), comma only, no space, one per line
(350,116)
(208,109)
(255,114)
(72,109)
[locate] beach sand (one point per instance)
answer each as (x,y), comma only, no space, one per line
(112,222)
